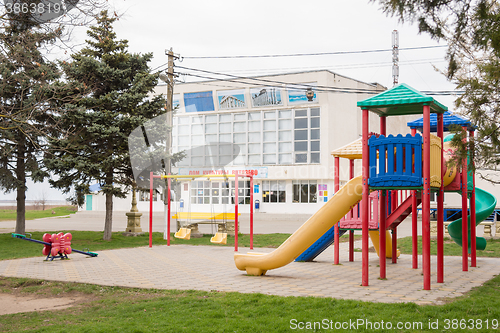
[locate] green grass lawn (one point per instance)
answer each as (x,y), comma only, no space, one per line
(450,248)
(115,309)
(10,214)
(13,248)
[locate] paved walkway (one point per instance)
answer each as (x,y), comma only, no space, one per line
(212,268)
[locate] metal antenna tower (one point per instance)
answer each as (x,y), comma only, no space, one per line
(395,57)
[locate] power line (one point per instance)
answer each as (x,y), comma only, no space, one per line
(312,54)
(275,82)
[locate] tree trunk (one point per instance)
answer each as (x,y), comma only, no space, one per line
(21,188)
(108,223)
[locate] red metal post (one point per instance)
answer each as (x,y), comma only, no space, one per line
(251,212)
(382,216)
(440,208)
(465,233)
(351,232)
(151,209)
(394,205)
(236,211)
(414,213)
(472,210)
(169,182)
(336,187)
(366,200)
(382,238)
(426,200)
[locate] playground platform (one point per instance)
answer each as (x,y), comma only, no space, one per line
(212,267)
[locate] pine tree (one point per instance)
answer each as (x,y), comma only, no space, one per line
(28,89)
(119,102)
(472,31)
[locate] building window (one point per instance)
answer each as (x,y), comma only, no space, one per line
(278,137)
(305,191)
(243,192)
(274,191)
(204,192)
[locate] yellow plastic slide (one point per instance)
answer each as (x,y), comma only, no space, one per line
(374,236)
(315,227)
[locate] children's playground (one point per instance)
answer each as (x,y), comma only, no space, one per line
(398,174)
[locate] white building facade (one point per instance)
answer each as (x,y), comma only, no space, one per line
(266,126)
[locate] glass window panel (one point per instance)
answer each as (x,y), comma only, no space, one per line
(184,129)
(300,145)
(197,139)
(254,148)
(274,185)
(183,120)
(254,159)
(209,161)
(196,120)
(285,124)
(269,136)
(282,185)
(225,118)
(300,113)
(225,127)
(269,158)
(254,116)
(312,192)
(198,161)
(254,125)
(193,200)
(285,135)
(304,192)
(215,200)
(285,159)
(225,192)
(315,158)
(199,151)
(270,125)
(315,134)
(223,160)
(239,138)
(211,128)
(206,200)
(225,200)
(270,115)
(314,112)
(239,160)
(211,119)
(206,184)
(224,138)
(193,192)
(296,193)
(211,138)
(239,149)
(285,147)
(315,122)
(300,135)
(254,137)
(285,114)
(314,145)
(225,149)
(199,184)
(300,158)
(239,116)
(240,126)
(301,123)
(197,129)
(183,162)
(269,148)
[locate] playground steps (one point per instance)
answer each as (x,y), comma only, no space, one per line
(402,212)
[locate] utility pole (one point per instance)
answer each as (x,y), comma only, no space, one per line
(170,102)
(395,57)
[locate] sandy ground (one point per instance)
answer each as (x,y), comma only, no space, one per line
(11,303)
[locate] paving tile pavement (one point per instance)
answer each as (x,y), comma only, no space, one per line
(209,268)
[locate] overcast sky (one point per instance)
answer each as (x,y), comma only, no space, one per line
(257,27)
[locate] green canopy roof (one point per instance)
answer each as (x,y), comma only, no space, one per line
(401,100)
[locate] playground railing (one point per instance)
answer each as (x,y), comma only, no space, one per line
(352,220)
(395,161)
